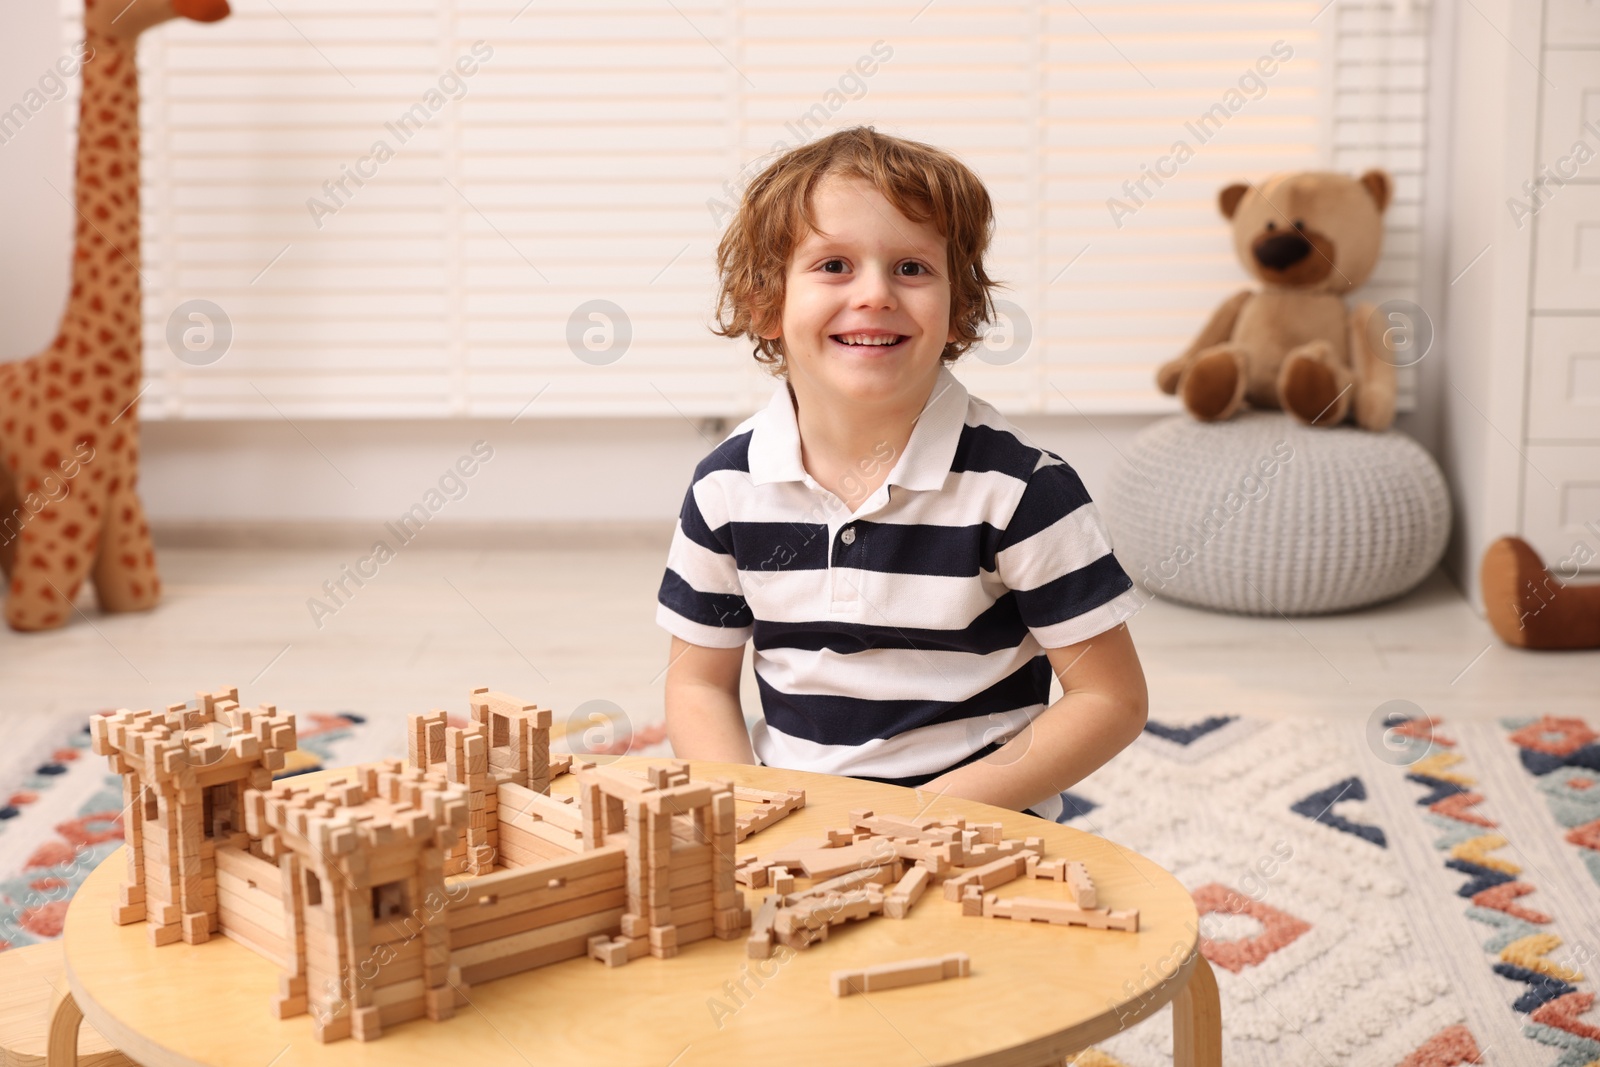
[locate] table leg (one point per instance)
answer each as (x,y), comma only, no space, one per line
(65,1016)
(1196,1020)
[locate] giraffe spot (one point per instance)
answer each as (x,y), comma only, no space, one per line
(127,513)
(52,459)
(129,560)
(58,421)
(81,405)
(70,562)
(71,531)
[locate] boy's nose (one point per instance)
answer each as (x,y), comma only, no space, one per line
(873,287)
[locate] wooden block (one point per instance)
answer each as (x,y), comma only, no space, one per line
(1083,890)
(901,973)
(782,881)
(972,902)
(830,862)
(1034,909)
(1055,870)
(611,952)
(165,935)
(907,891)
(754,875)
(440,1003)
(988,876)
(760,941)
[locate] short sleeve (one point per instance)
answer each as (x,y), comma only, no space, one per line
(1055,555)
(700,598)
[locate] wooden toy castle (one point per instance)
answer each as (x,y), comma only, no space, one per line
(387,897)
(345,888)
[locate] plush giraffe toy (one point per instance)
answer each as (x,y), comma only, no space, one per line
(69,425)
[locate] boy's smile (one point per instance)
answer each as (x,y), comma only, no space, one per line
(866,309)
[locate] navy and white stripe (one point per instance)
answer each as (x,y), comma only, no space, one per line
(917,645)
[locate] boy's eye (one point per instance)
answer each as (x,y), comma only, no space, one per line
(830,263)
(913,263)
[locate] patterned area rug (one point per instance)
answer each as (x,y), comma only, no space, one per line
(1422,896)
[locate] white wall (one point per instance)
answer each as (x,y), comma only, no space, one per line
(1493,97)
(542,471)
(36,227)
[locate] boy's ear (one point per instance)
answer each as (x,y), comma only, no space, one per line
(768,333)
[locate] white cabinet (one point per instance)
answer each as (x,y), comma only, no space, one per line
(1520,440)
(1564,379)
(1566,266)
(1561,486)
(1572,22)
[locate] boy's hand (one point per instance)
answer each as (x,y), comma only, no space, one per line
(1102,709)
(704,718)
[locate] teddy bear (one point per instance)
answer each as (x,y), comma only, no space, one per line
(1308,238)
(1528,607)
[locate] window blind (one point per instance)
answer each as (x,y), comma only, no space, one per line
(589,159)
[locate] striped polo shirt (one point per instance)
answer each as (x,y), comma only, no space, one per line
(906,637)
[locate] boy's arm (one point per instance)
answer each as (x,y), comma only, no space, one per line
(704,718)
(1101,711)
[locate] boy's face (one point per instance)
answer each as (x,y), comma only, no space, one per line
(870,271)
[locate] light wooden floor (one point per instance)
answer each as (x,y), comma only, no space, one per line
(572,623)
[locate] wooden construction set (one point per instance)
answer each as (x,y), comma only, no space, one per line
(387,898)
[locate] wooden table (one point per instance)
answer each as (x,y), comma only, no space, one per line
(1036,992)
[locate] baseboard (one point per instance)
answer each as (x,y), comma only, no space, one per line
(456,536)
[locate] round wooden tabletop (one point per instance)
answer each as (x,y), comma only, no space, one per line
(1036,992)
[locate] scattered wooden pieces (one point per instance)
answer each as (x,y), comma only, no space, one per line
(770,808)
(901,973)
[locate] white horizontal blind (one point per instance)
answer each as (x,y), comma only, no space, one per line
(594,154)
(1380,119)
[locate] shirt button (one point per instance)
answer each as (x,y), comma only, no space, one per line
(849,535)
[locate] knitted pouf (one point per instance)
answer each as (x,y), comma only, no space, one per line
(1261,515)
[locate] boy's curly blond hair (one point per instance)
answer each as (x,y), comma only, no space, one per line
(774,215)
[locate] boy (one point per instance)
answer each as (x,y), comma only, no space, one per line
(910,568)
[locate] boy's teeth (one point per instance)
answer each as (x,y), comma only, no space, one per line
(862,339)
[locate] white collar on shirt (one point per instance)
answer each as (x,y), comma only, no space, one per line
(775,439)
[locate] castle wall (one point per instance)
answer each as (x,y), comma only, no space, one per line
(515,920)
(250,903)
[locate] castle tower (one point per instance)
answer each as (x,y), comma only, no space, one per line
(363,896)
(507,742)
(184,772)
(680,847)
